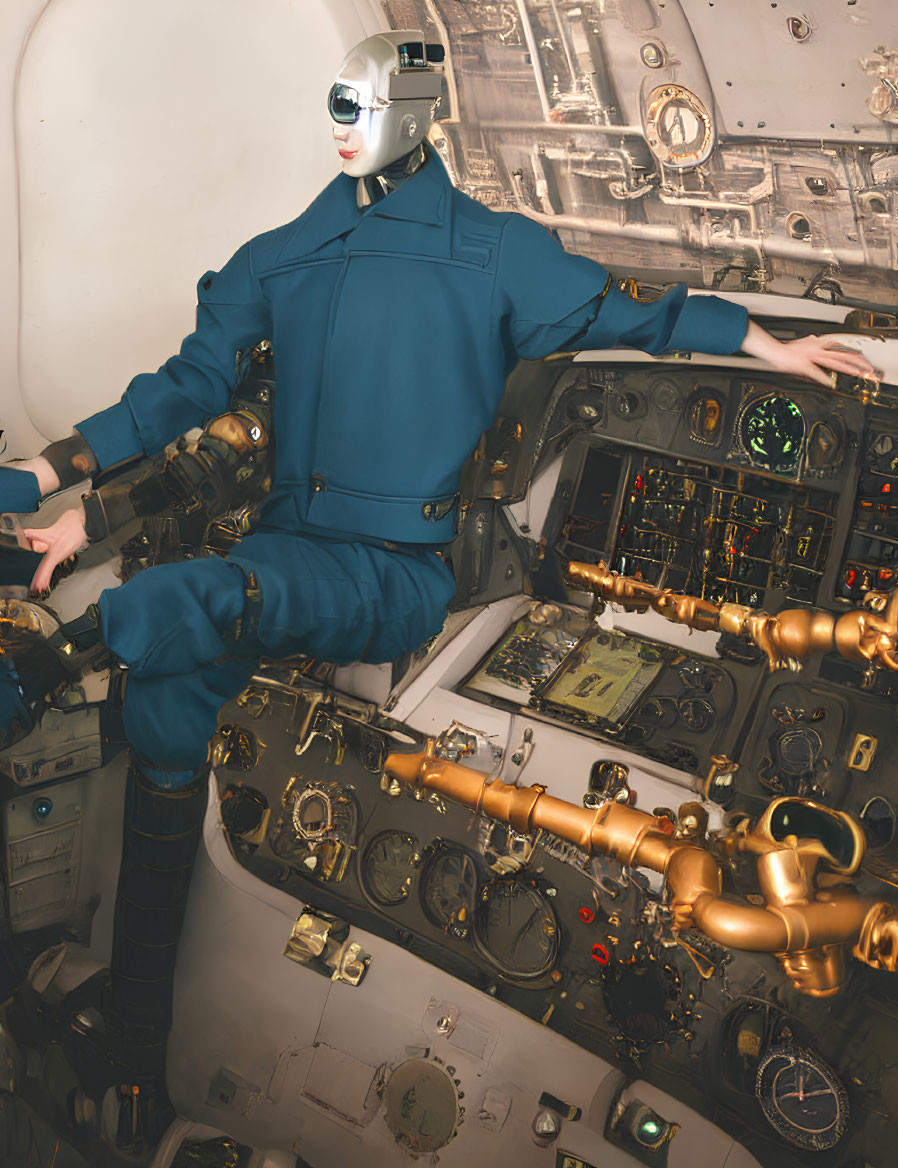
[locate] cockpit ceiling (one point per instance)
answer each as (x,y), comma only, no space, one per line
(742,151)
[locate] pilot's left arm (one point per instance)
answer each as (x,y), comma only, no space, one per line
(553,300)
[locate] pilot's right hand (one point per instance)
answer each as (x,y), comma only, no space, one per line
(23,484)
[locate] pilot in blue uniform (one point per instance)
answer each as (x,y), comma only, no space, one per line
(394,328)
(394,325)
(396,306)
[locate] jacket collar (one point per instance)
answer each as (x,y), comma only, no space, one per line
(423,198)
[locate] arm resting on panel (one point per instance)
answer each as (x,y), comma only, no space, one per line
(556,300)
(805,356)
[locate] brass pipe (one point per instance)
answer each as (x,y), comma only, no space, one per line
(612,829)
(786,929)
(803,926)
(786,637)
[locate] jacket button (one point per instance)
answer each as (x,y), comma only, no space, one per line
(318,483)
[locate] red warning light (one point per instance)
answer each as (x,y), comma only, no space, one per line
(587,916)
(600,954)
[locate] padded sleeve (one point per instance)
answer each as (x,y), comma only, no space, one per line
(555,300)
(195,385)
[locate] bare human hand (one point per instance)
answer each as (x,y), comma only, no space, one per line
(815,358)
(58,542)
(810,356)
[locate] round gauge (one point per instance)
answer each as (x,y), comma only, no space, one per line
(515,929)
(388,867)
(797,749)
(678,127)
(626,405)
(322,810)
(696,713)
(666,395)
(312,813)
(771,431)
(243,810)
(659,712)
(448,890)
(802,1098)
(705,413)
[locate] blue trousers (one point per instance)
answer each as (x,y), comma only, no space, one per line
(341,602)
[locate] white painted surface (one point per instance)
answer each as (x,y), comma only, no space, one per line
(150,140)
(777,87)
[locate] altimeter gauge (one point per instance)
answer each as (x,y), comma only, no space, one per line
(802,1097)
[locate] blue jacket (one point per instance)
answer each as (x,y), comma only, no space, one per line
(394,330)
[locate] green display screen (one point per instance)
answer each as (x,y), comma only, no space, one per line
(772,432)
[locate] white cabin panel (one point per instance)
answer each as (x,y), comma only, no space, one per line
(150,142)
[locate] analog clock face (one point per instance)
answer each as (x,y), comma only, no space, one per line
(678,127)
(802,1098)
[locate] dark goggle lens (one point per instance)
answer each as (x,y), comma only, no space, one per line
(343,104)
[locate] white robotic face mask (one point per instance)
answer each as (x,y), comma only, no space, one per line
(383,100)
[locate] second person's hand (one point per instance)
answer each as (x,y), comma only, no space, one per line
(57,543)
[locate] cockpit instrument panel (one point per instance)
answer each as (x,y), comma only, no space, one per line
(711,531)
(704,488)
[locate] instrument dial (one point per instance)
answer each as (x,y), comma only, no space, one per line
(696,713)
(449,890)
(771,431)
(515,929)
(388,867)
(802,1098)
